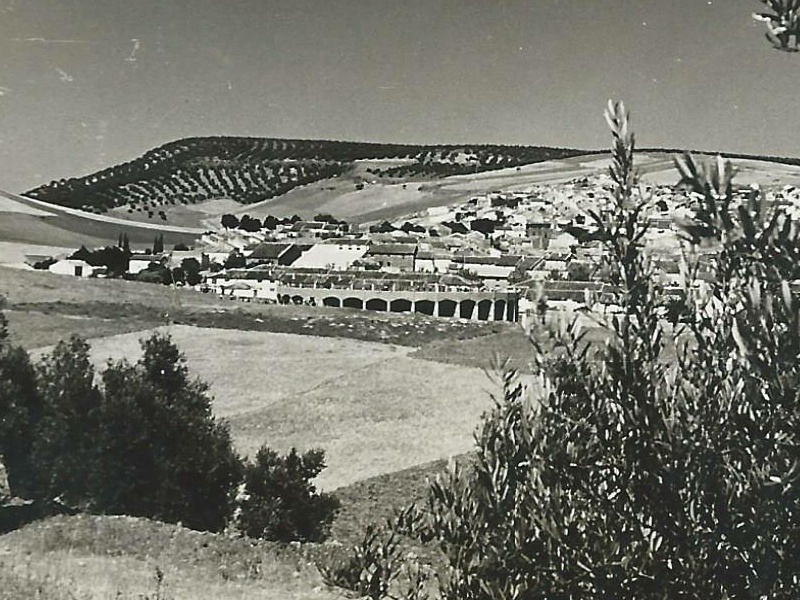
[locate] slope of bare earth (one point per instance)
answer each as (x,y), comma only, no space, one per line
(371,408)
(201,214)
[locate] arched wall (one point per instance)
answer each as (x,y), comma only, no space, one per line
(376,304)
(401,305)
(352,303)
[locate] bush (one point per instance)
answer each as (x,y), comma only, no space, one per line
(161,453)
(65,442)
(368,568)
(280,503)
(20,411)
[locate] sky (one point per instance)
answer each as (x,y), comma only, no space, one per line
(86,84)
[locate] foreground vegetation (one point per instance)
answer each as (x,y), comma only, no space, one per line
(144,443)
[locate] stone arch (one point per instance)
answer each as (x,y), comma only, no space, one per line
(513,310)
(499,310)
(284,299)
(447,308)
(466,308)
(401,305)
(352,303)
(377,304)
(297,299)
(332,301)
(484,310)
(426,307)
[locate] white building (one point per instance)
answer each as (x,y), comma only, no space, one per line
(337,256)
(140,262)
(74,267)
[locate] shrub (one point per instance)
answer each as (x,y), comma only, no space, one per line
(65,442)
(142,444)
(368,568)
(280,503)
(161,453)
(20,412)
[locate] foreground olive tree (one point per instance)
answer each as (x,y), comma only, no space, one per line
(783,23)
(626,473)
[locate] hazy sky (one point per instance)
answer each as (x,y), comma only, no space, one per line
(85,84)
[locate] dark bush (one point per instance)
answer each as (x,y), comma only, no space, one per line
(161,453)
(144,443)
(624,473)
(280,501)
(21,410)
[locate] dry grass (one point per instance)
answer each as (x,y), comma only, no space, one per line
(390,416)
(28,286)
(200,214)
(99,558)
(484,352)
(34,329)
(150,305)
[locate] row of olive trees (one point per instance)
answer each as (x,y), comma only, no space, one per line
(143,441)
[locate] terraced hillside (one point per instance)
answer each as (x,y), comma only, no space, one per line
(249,170)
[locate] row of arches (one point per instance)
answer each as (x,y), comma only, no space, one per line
(484,310)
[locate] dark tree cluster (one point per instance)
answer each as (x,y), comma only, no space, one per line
(270,223)
(114,258)
(140,439)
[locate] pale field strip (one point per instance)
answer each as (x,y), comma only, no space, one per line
(372,408)
(53,209)
(13,254)
(92,577)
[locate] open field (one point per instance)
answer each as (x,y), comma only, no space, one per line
(204,214)
(105,558)
(33,329)
(369,406)
(29,286)
(43,231)
(14,253)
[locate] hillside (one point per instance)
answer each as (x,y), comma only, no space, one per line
(30,221)
(192,182)
(249,170)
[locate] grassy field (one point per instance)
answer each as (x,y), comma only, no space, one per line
(371,408)
(110,558)
(33,329)
(143,305)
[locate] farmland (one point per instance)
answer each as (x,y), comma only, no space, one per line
(372,408)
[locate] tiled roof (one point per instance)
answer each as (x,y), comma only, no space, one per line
(268,251)
(389,249)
